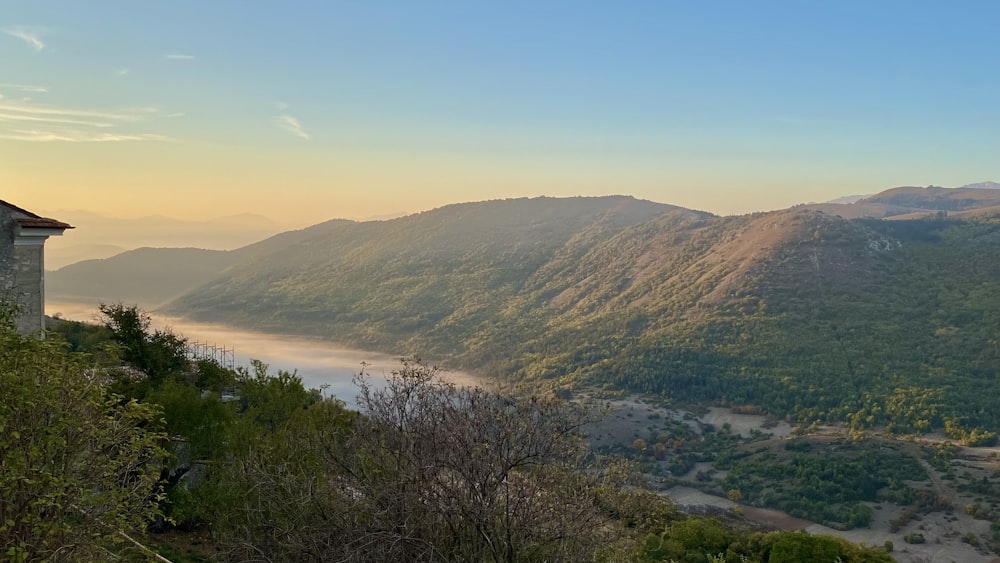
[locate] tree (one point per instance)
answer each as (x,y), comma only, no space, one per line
(689,541)
(157,353)
(735,495)
(282,496)
(79,468)
(271,400)
(426,472)
(464,474)
(793,547)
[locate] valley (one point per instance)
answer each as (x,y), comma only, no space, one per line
(873,322)
(829,367)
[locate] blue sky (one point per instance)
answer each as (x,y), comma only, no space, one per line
(304,111)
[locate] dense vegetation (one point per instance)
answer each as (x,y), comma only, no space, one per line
(824,482)
(79,466)
(424,472)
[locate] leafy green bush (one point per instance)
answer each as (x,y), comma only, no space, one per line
(80,469)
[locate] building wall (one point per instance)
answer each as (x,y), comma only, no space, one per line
(29,287)
(22,275)
(7,264)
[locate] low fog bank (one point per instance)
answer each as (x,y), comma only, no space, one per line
(318,363)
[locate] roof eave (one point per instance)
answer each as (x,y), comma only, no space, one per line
(40,232)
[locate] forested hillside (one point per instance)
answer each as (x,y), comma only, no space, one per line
(810,315)
(427,280)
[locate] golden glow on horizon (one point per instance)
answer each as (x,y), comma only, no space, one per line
(305,185)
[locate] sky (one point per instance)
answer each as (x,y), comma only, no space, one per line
(307,111)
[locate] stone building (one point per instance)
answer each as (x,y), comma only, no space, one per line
(22,262)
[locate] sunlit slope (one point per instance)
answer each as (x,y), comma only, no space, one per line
(808,314)
(428,279)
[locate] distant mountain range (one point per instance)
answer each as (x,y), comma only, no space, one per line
(983,186)
(98,236)
(153,276)
(818,312)
(978,186)
(58,255)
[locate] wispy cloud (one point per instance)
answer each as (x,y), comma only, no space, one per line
(52,112)
(122,71)
(26,35)
(14,116)
(178,57)
(76,136)
(291,125)
(22,121)
(25,88)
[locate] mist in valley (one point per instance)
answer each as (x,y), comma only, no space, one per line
(321,365)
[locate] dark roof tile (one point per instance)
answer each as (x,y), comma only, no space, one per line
(43,223)
(34,221)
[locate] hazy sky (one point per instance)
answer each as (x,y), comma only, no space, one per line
(304,111)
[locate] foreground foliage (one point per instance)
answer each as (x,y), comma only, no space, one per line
(697,540)
(426,472)
(423,471)
(79,468)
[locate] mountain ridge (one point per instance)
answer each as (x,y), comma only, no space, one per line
(809,314)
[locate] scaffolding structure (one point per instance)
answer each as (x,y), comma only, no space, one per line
(225,357)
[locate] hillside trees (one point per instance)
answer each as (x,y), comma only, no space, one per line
(78,468)
(808,315)
(821,485)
